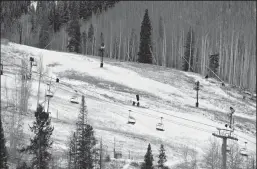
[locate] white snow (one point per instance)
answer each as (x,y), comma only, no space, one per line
(108,114)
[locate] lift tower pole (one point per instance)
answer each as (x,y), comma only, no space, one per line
(102,54)
(224,138)
(197,89)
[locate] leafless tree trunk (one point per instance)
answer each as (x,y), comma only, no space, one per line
(212,157)
(120,42)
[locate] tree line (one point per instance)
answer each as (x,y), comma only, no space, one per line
(210,38)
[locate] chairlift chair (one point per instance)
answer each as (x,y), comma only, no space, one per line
(160,126)
(243,151)
(49,93)
(34,63)
(228,149)
(131,120)
(74,100)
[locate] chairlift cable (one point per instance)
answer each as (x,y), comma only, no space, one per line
(63,83)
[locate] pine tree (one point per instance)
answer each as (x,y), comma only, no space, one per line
(23,165)
(41,143)
(63,11)
(44,36)
(214,64)
(145,48)
(189,51)
(82,143)
(41,12)
(72,151)
(3,152)
(74,29)
(91,38)
(84,42)
(162,157)
(85,139)
(33,18)
(85,10)
(54,17)
(148,160)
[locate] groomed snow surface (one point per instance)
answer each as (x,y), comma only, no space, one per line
(109,92)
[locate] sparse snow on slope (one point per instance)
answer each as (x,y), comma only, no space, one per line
(108,93)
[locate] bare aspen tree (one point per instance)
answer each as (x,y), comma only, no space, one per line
(234,158)
(119,42)
(111,47)
(212,157)
(231,57)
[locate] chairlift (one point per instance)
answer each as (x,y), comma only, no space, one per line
(49,93)
(74,100)
(228,149)
(131,120)
(160,126)
(243,151)
(34,63)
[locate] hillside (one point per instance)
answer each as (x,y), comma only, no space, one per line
(109,92)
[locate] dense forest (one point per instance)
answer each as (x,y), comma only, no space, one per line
(201,30)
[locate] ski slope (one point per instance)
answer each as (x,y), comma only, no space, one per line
(109,92)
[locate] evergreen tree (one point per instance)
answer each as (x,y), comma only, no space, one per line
(54,17)
(44,36)
(148,160)
(145,48)
(85,139)
(85,10)
(214,64)
(11,11)
(41,143)
(72,151)
(74,28)
(189,51)
(23,165)
(41,12)
(84,42)
(3,152)
(91,39)
(63,11)
(162,157)
(33,19)
(82,143)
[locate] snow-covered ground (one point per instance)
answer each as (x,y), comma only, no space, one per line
(167,93)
